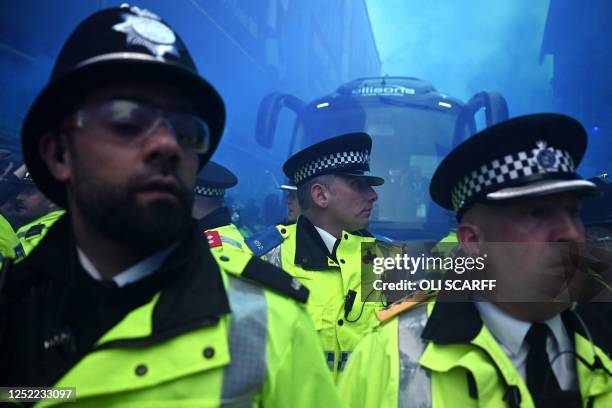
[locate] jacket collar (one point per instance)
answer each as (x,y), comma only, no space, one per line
(218,218)
(460,322)
(310,251)
(192,295)
(196,296)
(452,322)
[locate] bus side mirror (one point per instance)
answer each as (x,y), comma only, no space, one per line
(268,113)
(496,110)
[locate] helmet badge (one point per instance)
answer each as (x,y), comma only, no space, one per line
(146,29)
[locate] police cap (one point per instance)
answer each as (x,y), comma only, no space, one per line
(213,180)
(343,155)
(522,157)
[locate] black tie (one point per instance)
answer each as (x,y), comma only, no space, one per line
(540,376)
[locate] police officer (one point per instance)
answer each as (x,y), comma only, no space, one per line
(123,299)
(31,203)
(322,249)
(513,183)
(293,206)
(209,207)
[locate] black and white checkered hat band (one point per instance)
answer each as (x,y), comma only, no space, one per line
(510,168)
(331,161)
(209,191)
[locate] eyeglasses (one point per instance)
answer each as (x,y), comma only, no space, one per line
(134,121)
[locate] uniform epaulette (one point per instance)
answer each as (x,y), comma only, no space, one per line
(35,230)
(276,279)
(19,251)
(417,299)
(264,241)
(243,265)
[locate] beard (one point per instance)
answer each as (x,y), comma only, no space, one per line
(118,215)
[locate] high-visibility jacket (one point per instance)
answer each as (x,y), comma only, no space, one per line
(451,359)
(221,232)
(31,234)
(8,239)
(334,281)
(211,337)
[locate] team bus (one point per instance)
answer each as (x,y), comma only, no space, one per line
(413,126)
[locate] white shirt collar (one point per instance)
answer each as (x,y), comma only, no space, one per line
(328,239)
(132,274)
(510,331)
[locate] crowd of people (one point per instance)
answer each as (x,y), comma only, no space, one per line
(130,278)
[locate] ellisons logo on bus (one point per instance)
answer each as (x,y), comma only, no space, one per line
(388,90)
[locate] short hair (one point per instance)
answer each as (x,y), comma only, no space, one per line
(303,191)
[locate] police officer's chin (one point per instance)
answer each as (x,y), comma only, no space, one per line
(531,299)
(167,214)
(357,226)
(150,224)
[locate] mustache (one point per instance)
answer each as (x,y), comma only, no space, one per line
(166,182)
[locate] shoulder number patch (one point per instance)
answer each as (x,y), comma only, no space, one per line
(264,241)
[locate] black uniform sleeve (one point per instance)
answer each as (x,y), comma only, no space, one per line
(276,279)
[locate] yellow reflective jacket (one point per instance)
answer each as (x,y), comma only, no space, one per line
(250,346)
(450,359)
(331,279)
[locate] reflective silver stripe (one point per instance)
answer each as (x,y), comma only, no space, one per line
(415,381)
(274,257)
(244,377)
(330,357)
(19,252)
(231,242)
(343,359)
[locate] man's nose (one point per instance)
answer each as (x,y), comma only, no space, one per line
(568,227)
(371,194)
(162,143)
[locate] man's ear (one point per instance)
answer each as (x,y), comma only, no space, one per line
(470,238)
(319,195)
(52,149)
